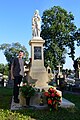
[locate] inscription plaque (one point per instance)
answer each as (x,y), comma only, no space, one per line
(37,53)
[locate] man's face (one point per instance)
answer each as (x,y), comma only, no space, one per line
(21,54)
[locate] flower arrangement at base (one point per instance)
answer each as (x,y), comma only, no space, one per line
(53,98)
(27,90)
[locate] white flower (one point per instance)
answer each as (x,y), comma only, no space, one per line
(21,84)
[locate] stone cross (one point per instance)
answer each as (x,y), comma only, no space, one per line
(59,66)
(79,69)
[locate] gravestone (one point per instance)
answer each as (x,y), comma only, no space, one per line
(59,75)
(59,70)
(77,71)
(77,68)
(50,74)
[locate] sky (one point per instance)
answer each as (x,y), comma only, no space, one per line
(16,21)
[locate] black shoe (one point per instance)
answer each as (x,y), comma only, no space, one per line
(16,101)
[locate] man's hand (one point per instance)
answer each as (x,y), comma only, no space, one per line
(12,77)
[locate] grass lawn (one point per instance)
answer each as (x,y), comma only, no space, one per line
(30,114)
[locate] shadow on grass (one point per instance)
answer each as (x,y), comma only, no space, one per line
(5,97)
(75,98)
(61,114)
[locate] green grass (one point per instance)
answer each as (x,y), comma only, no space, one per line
(32,114)
(75,98)
(5,98)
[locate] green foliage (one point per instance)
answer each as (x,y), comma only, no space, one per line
(8,115)
(12,50)
(77,35)
(27,90)
(1,68)
(58,31)
(4,69)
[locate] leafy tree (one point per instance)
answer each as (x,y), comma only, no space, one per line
(77,35)
(58,31)
(4,69)
(12,50)
(1,68)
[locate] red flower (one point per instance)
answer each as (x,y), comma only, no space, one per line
(50,89)
(54,91)
(57,94)
(52,94)
(53,98)
(46,94)
(49,101)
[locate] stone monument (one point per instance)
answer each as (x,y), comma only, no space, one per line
(37,71)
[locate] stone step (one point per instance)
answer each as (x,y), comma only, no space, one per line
(64,104)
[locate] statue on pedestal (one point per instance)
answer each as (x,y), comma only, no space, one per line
(36,27)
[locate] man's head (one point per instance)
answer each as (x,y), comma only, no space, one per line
(21,54)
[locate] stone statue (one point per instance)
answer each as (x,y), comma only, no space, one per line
(36,24)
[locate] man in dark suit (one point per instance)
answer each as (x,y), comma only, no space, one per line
(17,72)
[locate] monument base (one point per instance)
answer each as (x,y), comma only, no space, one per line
(35,100)
(38,76)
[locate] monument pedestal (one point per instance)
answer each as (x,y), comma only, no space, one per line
(38,72)
(39,76)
